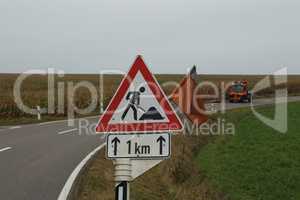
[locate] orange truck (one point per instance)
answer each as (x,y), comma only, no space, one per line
(239,92)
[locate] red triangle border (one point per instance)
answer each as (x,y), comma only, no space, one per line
(174,123)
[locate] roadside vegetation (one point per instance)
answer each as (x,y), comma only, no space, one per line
(176,178)
(256,163)
(35,92)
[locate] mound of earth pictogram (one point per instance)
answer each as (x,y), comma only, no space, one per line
(151,114)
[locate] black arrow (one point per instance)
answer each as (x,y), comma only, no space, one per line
(161,140)
(115,142)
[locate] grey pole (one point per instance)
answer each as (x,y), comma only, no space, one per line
(122,178)
(122,191)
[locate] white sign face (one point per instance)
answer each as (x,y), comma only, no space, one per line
(143,146)
(139,105)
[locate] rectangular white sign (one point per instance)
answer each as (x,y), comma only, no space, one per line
(143,146)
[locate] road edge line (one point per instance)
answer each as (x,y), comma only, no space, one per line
(70,181)
(14,127)
(67,131)
(63,120)
(5,149)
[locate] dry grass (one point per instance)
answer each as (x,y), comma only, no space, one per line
(176,178)
(34,90)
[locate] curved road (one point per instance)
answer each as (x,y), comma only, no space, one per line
(36,160)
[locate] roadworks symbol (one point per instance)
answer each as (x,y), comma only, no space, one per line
(134,101)
(139,105)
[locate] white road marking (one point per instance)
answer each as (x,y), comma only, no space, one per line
(5,149)
(67,131)
(65,120)
(14,127)
(68,185)
(51,122)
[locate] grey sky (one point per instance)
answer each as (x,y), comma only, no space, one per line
(86,36)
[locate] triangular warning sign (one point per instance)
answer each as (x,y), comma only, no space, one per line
(139,105)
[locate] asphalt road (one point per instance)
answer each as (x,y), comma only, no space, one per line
(255,103)
(36,160)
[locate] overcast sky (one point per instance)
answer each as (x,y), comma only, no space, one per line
(86,36)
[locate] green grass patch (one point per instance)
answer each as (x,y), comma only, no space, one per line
(257,162)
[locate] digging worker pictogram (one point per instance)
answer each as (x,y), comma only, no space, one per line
(134,103)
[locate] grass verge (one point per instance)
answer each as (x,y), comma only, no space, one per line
(176,178)
(258,162)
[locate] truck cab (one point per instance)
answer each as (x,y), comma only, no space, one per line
(239,92)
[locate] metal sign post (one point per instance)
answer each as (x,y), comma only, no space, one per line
(127,152)
(139,106)
(122,178)
(122,191)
